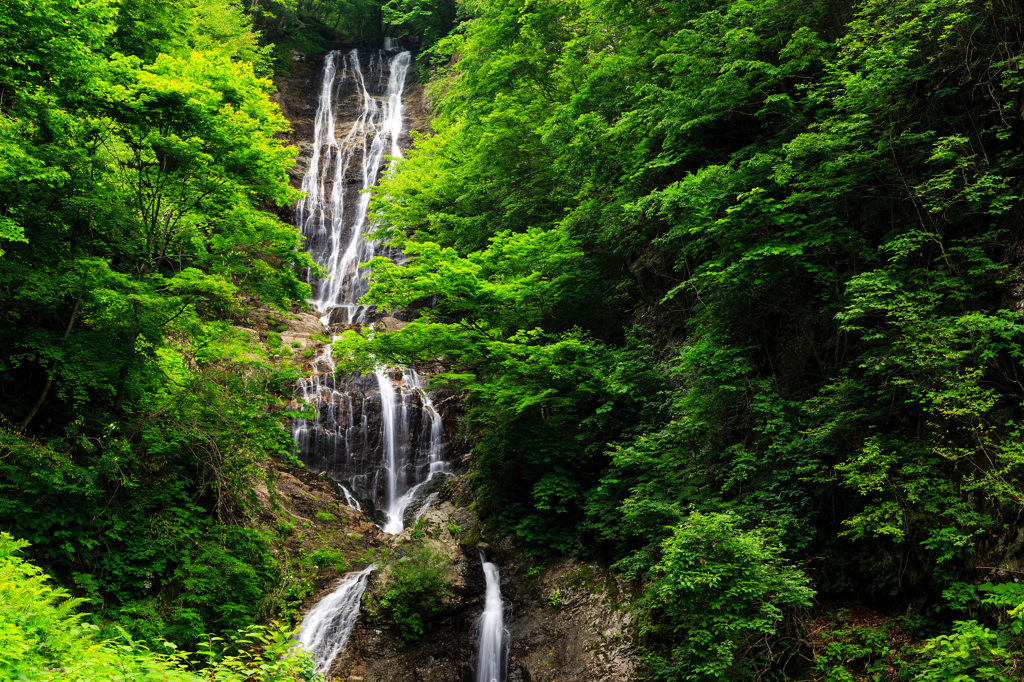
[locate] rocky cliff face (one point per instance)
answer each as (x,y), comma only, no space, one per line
(380,434)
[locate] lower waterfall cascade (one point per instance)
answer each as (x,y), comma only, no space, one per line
(325,629)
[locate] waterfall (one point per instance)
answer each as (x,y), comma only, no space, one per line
(491,652)
(325,629)
(386,464)
(327,431)
(397,445)
(391,446)
(332,215)
(436,433)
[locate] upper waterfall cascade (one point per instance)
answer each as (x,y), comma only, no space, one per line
(381,437)
(333,214)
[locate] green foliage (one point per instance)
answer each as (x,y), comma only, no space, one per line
(313,27)
(987,647)
(427,20)
(717,590)
(139,154)
(811,215)
(848,651)
(145,537)
(43,638)
(416,589)
(971,652)
(325,556)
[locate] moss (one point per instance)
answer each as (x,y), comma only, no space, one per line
(583,577)
(473,535)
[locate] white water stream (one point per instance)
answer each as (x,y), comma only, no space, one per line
(325,629)
(490,665)
(397,445)
(333,218)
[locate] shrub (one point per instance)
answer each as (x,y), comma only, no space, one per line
(717,590)
(418,530)
(848,648)
(225,580)
(972,652)
(325,556)
(416,591)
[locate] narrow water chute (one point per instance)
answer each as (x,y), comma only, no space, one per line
(491,651)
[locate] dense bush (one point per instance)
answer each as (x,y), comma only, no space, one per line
(43,638)
(716,593)
(416,588)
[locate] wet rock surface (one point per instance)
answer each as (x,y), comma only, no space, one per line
(570,625)
(566,621)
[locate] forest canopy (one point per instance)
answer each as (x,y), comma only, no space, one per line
(139,155)
(753,264)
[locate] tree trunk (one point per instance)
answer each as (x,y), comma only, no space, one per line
(53,367)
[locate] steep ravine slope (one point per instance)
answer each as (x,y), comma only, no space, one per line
(565,621)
